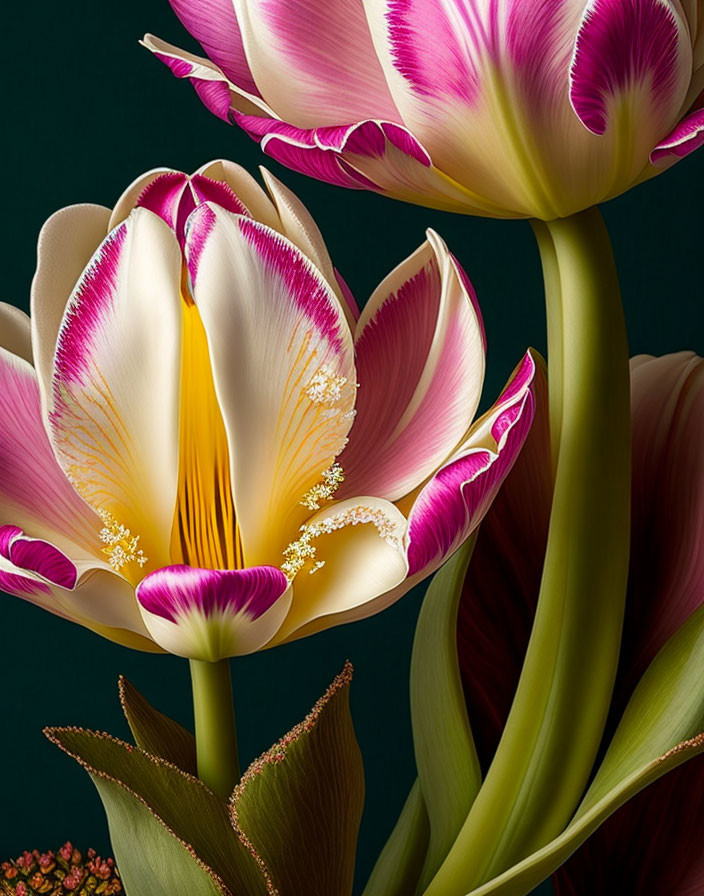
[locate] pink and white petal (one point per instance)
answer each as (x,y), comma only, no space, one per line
(114,413)
(453,503)
(632,62)
(684,139)
(369,155)
(164,196)
(128,200)
(80,592)
(205,189)
(350,553)
(67,242)
(34,491)
(283,366)
(211,614)
(297,225)
(37,556)
(214,25)
(314,61)
(15,332)
(217,93)
(246,188)
(421,335)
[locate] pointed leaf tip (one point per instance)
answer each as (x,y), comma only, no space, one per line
(314,780)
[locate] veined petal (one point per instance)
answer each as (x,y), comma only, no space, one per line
(210,614)
(371,155)
(421,335)
(34,492)
(632,63)
(344,558)
(67,242)
(283,369)
(15,332)
(115,392)
(454,501)
(297,225)
(214,25)
(314,61)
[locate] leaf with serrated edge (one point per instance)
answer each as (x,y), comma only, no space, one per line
(196,819)
(312,785)
(155,732)
(662,727)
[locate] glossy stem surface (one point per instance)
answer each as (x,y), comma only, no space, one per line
(216,735)
(555,725)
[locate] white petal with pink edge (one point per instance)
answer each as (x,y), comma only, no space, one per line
(283,367)
(246,188)
(67,242)
(114,410)
(314,61)
(211,614)
(420,356)
(34,491)
(453,503)
(15,332)
(345,556)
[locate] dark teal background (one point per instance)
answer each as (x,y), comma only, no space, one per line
(86,110)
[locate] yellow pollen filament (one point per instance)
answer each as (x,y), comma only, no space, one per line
(332,479)
(121,546)
(302,551)
(326,386)
(205,531)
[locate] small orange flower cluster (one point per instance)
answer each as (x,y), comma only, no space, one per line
(64,873)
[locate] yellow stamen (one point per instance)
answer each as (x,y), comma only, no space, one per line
(332,479)
(205,531)
(121,546)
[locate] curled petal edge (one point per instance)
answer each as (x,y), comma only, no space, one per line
(454,501)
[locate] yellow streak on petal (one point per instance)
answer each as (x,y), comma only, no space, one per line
(205,531)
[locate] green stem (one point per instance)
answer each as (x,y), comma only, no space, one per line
(553,308)
(216,736)
(556,722)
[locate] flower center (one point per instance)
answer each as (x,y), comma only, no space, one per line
(205,532)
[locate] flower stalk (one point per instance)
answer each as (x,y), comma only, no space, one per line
(557,719)
(216,733)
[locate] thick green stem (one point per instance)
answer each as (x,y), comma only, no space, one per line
(556,722)
(216,736)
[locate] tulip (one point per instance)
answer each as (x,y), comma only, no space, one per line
(525,108)
(648,845)
(203,451)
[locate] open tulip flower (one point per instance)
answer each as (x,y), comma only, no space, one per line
(202,448)
(522,108)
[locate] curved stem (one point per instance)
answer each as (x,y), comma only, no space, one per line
(556,722)
(216,736)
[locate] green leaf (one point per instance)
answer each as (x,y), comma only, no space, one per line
(446,758)
(399,866)
(662,727)
(169,832)
(156,733)
(298,806)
